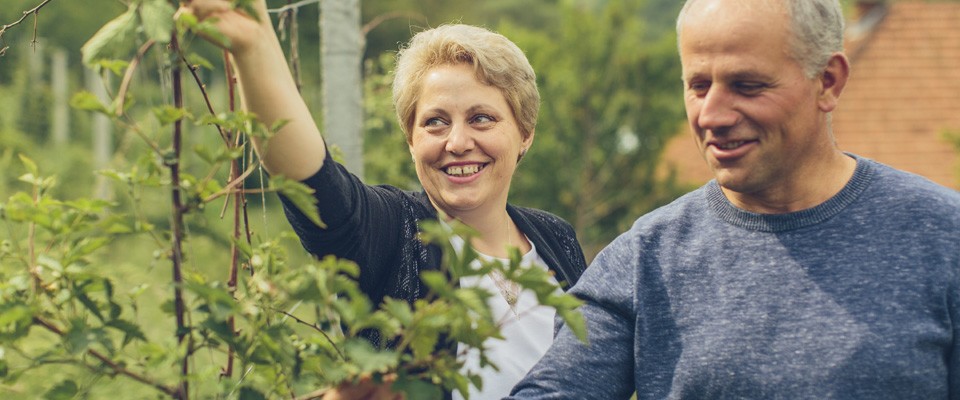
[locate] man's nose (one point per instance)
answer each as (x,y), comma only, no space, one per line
(717,109)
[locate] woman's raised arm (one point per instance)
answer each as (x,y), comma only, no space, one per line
(267,88)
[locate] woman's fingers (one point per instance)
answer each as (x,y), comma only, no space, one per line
(236,25)
(204,9)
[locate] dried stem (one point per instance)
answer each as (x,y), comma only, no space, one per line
(35,11)
(128,76)
(374,23)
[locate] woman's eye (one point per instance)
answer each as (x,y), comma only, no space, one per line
(434,122)
(482,119)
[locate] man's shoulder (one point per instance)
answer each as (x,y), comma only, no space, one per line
(903,186)
(684,209)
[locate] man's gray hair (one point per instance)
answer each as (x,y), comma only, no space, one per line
(816,27)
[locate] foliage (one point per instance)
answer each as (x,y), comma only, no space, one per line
(608,109)
(388,161)
(291,328)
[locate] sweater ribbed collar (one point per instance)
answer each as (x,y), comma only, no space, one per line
(726,211)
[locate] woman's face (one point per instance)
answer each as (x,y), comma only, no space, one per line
(465,142)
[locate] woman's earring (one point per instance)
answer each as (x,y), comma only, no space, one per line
(522,153)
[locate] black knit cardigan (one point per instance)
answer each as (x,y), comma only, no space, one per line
(376,227)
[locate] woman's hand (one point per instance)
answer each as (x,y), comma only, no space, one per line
(241,30)
(267,88)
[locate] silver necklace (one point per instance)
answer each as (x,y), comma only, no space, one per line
(508,289)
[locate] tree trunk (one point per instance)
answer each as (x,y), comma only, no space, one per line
(341,49)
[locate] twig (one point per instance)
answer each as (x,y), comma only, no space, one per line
(316,328)
(128,76)
(374,23)
(292,6)
(203,91)
(110,363)
(233,183)
(35,11)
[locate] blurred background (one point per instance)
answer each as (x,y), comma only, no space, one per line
(611,141)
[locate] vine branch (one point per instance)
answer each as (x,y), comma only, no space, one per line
(177,223)
(119,369)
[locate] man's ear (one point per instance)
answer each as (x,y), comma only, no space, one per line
(832,80)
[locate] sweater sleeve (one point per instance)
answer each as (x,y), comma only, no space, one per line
(953,363)
(602,369)
(362,223)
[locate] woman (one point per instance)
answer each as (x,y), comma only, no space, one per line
(467,102)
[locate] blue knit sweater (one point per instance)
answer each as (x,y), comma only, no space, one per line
(856,298)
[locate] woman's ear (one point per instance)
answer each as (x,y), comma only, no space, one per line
(525,145)
(832,80)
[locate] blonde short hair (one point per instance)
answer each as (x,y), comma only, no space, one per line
(497,61)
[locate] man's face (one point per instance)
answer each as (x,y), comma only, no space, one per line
(754,113)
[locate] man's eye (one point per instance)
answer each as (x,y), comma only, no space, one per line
(700,88)
(750,88)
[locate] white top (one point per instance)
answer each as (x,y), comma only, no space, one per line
(528,332)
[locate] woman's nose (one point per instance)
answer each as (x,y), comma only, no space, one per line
(460,139)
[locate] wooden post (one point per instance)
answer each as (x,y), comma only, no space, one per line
(341,49)
(102,131)
(60,125)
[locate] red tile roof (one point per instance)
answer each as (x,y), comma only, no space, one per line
(904,91)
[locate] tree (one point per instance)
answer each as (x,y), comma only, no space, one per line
(610,101)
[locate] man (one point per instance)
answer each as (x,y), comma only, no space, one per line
(800,271)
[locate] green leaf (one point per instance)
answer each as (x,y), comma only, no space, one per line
(247,7)
(198,60)
(157,19)
(208,28)
(65,390)
(222,153)
(87,101)
(300,195)
(368,359)
(249,393)
(15,320)
(168,114)
(29,164)
(574,319)
(117,67)
(114,40)
(398,309)
(418,389)
(130,330)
